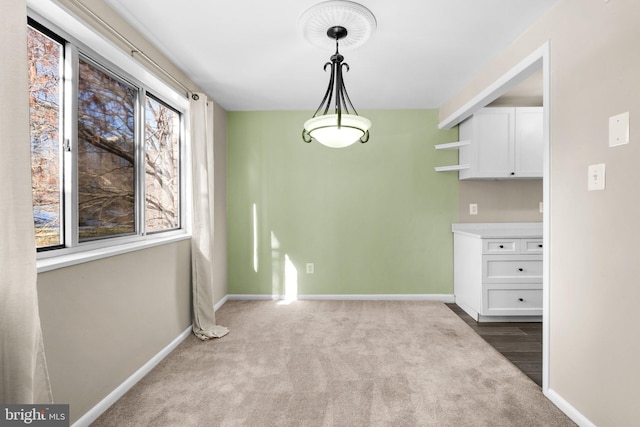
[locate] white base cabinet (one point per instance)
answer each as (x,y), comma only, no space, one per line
(498,271)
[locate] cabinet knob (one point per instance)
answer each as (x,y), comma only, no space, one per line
(521,299)
(501,246)
(513,173)
(540,246)
(521,269)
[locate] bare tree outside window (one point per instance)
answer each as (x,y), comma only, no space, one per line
(45,60)
(125,136)
(106,154)
(162,153)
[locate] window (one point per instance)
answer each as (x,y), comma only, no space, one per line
(106,154)
(45,67)
(162,154)
(111,174)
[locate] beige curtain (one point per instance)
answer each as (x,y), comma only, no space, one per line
(201,131)
(24,378)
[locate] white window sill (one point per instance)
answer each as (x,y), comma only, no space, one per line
(69,259)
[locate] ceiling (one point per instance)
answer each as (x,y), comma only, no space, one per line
(250,55)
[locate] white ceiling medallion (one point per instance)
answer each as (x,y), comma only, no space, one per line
(336,122)
(359,21)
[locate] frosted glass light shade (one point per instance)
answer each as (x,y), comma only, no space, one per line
(324,129)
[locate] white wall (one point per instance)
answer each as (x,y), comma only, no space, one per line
(595,73)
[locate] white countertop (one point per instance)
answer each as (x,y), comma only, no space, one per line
(498,230)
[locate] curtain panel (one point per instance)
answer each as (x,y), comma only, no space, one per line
(24,377)
(201,133)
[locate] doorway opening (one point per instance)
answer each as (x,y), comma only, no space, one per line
(532,70)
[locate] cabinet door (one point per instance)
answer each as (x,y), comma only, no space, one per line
(529,142)
(491,152)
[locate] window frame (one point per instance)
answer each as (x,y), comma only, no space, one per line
(37,26)
(181,197)
(73,137)
(83,41)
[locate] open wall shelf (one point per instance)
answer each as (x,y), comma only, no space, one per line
(451,146)
(451,168)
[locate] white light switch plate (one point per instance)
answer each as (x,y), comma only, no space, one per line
(619,129)
(596,177)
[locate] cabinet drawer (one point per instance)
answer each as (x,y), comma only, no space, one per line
(531,246)
(500,246)
(514,301)
(512,268)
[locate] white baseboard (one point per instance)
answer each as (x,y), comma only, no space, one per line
(467,309)
(349,297)
(568,409)
(116,394)
(220,303)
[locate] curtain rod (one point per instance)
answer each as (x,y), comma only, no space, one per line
(134,48)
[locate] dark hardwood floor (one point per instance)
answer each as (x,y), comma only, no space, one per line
(521,343)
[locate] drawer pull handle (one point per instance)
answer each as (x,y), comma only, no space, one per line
(521,299)
(521,269)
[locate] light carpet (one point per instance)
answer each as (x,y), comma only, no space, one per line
(336,363)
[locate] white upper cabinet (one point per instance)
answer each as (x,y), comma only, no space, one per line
(503,143)
(529,142)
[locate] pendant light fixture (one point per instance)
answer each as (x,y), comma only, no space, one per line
(336,122)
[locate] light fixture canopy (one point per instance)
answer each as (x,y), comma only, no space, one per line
(342,126)
(359,20)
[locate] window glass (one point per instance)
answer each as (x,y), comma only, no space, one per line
(112,171)
(45,65)
(106,154)
(162,173)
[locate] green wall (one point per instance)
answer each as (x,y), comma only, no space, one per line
(374,218)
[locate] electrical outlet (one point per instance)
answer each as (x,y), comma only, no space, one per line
(473,209)
(310,268)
